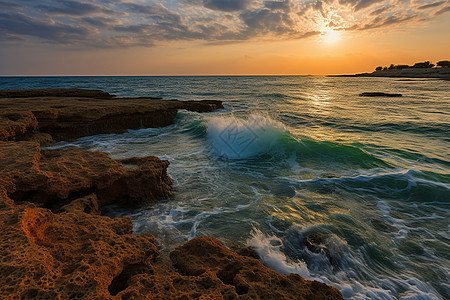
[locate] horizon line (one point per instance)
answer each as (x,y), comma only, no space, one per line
(179,75)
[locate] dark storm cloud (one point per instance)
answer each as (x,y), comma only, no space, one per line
(432,5)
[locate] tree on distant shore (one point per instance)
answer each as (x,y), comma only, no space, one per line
(443,64)
(425,64)
(392,67)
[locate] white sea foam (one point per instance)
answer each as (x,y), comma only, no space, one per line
(268,251)
(236,138)
(346,278)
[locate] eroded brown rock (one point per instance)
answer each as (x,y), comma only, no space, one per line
(56,245)
(65,256)
(77,255)
(87,204)
(54,178)
(249,277)
(16,124)
(68,114)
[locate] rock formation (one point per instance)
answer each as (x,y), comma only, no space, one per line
(56,245)
(76,113)
(53,178)
(411,72)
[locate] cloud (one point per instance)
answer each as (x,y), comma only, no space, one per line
(13,24)
(431,5)
(380,22)
(158,13)
(366,3)
(379,11)
(281,5)
(226,5)
(68,7)
(99,22)
(267,21)
(127,23)
(8,5)
(442,11)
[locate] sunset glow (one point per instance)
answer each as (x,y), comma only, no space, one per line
(331,36)
(218,37)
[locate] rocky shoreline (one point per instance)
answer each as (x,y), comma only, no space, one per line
(437,73)
(55,244)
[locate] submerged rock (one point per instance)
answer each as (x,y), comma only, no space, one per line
(315,242)
(379,94)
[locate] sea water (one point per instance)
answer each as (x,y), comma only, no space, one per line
(291,156)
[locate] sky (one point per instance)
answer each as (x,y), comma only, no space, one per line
(219,37)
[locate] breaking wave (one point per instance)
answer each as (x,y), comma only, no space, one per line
(260,136)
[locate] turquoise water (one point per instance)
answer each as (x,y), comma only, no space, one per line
(295,155)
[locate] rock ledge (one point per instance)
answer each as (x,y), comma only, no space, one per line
(56,245)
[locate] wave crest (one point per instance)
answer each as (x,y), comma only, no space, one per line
(236,138)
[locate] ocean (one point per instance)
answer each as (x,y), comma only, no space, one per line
(293,160)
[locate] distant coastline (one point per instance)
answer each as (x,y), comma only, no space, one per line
(418,70)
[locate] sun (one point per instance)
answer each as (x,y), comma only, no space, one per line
(331,36)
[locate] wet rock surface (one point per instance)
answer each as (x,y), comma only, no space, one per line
(53,178)
(316,243)
(56,245)
(69,114)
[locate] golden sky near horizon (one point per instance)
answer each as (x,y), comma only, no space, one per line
(219,37)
